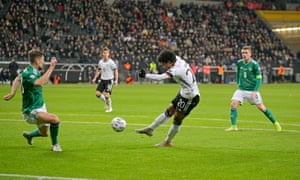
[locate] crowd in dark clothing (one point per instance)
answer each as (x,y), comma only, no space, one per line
(136,31)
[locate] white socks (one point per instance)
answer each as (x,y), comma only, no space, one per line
(108,102)
(172,132)
(102,97)
(162,118)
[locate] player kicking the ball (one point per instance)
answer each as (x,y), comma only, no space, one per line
(186,100)
(109,76)
(33,108)
(248,77)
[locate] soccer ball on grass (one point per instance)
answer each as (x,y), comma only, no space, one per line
(118,124)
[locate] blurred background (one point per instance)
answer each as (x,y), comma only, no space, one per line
(208,34)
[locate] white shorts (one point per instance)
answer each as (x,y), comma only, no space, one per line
(241,95)
(31,118)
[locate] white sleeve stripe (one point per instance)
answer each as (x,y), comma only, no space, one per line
(157,77)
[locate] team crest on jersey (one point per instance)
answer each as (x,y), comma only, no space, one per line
(250,69)
(32,76)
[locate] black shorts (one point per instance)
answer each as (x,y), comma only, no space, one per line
(184,105)
(105,86)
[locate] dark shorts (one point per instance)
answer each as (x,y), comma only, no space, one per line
(105,86)
(184,105)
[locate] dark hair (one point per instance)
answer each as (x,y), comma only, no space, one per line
(105,49)
(33,54)
(166,56)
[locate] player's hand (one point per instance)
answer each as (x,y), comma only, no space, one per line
(53,61)
(8,97)
(142,73)
(116,83)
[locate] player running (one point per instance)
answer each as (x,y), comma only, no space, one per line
(34,108)
(109,76)
(186,100)
(249,78)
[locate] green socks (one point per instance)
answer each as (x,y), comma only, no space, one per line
(34,133)
(270,116)
(54,133)
(233,116)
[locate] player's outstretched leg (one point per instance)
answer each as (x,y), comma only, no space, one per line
(148,131)
(270,116)
(161,119)
(277,126)
(29,136)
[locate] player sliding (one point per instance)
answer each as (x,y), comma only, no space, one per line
(33,108)
(186,100)
(248,77)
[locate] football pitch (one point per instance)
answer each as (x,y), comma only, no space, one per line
(201,150)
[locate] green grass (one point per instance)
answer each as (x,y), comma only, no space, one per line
(202,149)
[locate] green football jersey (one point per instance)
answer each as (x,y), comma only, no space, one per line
(248,75)
(32,95)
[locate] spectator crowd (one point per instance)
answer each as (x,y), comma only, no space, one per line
(136,31)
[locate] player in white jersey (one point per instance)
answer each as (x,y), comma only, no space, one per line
(186,100)
(109,76)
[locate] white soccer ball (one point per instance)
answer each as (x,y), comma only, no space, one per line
(118,124)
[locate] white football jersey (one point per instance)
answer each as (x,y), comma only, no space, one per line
(183,75)
(107,69)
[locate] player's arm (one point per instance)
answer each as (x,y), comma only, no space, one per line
(157,77)
(116,76)
(258,77)
(15,86)
(96,75)
(44,78)
(237,75)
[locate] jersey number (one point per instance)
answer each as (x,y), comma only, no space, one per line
(245,74)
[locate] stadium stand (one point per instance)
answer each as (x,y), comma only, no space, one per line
(136,31)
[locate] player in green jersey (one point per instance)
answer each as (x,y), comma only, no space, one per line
(33,106)
(248,78)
